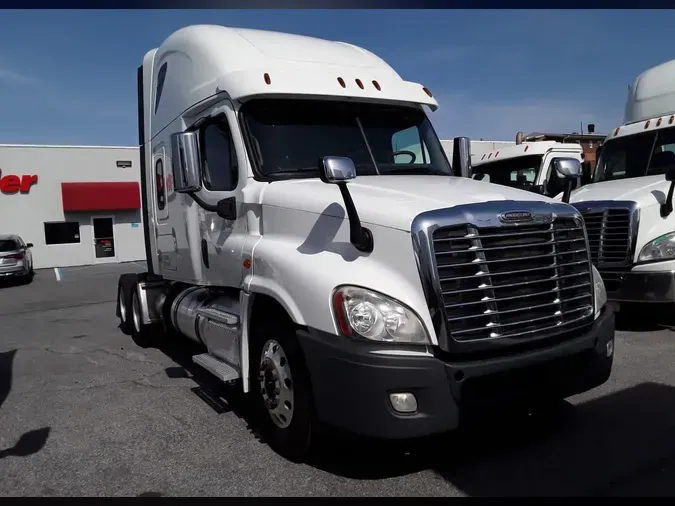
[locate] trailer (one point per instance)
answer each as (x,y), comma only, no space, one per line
(628,208)
(304,226)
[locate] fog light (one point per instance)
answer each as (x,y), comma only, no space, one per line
(609,348)
(403,402)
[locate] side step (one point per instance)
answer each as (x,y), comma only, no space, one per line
(224,372)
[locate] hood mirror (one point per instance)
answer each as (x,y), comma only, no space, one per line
(339,170)
(667,206)
(336,169)
(570,170)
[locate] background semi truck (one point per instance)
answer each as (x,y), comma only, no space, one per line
(338,277)
(528,166)
(628,208)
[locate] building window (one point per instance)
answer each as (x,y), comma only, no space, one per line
(159,175)
(220,158)
(62,232)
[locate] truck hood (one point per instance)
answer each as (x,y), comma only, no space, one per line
(646,191)
(390,201)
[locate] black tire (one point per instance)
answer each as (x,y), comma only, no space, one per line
(141,334)
(125,285)
(295,440)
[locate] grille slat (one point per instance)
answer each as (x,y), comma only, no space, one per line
(482,301)
(526,308)
(491,290)
(508,273)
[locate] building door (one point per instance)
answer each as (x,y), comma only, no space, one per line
(104,239)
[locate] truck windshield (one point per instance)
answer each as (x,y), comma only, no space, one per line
(518,172)
(645,154)
(287,137)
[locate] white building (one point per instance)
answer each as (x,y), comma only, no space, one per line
(78,205)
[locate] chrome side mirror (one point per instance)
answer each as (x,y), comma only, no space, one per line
(570,170)
(567,168)
(336,169)
(667,206)
(461,156)
(185,162)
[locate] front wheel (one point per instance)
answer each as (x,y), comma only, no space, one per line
(281,389)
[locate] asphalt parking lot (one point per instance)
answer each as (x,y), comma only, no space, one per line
(84,411)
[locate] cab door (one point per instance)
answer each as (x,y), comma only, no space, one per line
(223,177)
(167,243)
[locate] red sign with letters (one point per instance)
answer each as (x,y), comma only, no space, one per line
(11,183)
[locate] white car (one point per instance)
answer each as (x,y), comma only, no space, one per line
(16,259)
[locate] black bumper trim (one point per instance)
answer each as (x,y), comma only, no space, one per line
(656,287)
(351,384)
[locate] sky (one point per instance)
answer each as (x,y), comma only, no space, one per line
(69,76)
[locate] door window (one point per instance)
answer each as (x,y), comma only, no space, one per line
(104,240)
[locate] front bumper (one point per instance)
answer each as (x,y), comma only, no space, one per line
(351,384)
(645,287)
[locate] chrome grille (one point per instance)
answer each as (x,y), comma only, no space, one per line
(608,235)
(517,282)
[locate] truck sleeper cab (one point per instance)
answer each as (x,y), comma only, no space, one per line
(628,206)
(302,223)
(528,166)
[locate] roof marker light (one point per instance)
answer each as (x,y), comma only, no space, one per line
(426,90)
(670,121)
(489,156)
(658,123)
(647,124)
(342,82)
(497,154)
(267,78)
(359,83)
(527,147)
(616,131)
(377,86)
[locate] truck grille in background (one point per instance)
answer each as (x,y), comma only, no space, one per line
(608,236)
(608,233)
(513,282)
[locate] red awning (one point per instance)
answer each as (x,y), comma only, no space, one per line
(117,196)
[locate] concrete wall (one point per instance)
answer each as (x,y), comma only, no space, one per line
(26,213)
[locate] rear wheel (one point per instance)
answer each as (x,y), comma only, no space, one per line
(281,389)
(140,333)
(124,288)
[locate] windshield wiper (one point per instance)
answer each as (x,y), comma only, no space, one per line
(365,139)
(413,171)
(304,170)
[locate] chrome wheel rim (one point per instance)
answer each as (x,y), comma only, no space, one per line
(276,384)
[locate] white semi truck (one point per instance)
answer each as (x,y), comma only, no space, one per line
(337,278)
(527,166)
(628,208)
